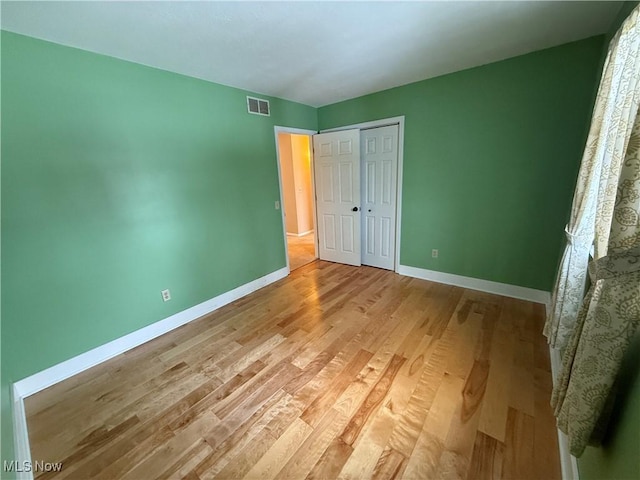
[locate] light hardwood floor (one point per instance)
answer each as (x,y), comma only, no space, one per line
(300,250)
(333,372)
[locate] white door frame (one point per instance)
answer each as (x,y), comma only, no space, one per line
(383,122)
(296,131)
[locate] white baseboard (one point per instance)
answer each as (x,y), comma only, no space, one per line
(299,234)
(75,365)
(504,289)
(556,363)
(22,451)
(568,463)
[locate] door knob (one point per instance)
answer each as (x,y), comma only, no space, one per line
(354,209)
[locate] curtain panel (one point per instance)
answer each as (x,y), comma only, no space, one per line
(608,319)
(594,198)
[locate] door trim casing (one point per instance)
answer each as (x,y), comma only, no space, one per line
(296,131)
(383,122)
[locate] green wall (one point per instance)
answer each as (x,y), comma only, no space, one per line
(618,457)
(491,156)
(118,181)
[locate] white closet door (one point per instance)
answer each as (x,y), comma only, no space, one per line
(337,175)
(379,169)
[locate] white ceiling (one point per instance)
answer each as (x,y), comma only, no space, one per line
(315,53)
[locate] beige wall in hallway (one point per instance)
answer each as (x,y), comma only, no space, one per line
(288,183)
(295,168)
(300,156)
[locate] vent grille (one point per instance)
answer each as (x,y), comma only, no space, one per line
(258,106)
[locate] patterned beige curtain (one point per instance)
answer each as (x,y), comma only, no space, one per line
(594,198)
(608,319)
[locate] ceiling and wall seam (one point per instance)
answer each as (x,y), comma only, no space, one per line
(314,53)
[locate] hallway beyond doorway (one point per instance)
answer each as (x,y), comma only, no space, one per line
(301,250)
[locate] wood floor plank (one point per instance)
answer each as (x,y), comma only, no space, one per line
(419,357)
(424,458)
(467,328)
(546,456)
(212,336)
(69,404)
(238,466)
(330,341)
(369,446)
(314,412)
(280,452)
(224,450)
(121,455)
(173,451)
(409,425)
(145,402)
(372,401)
(309,452)
(334,372)
(459,443)
(522,385)
(184,466)
(241,463)
(493,418)
(306,374)
(487,459)
(518,452)
(331,461)
(235,414)
(245,356)
(362,461)
(380,427)
(390,465)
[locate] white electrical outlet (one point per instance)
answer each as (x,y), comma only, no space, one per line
(434,253)
(277,205)
(166,295)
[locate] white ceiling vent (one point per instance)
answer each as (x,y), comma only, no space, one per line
(258,106)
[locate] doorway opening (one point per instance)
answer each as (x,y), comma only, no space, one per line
(298,206)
